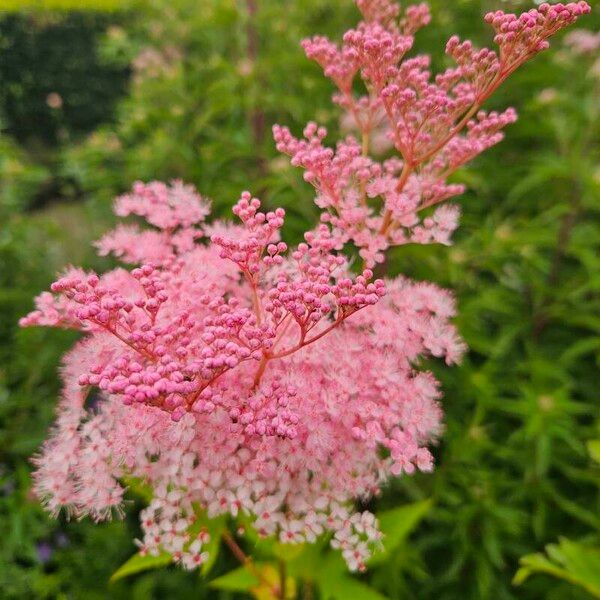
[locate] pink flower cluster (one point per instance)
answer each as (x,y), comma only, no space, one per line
(435,122)
(174,210)
(583,42)
(242,376)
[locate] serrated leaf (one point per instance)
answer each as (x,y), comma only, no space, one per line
(334,583)
(138,563)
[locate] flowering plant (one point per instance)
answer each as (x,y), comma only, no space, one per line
(237,377)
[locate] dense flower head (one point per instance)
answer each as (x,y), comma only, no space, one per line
(379,11)
(520,36)
(436,123)
(230,373)
(228,376)
(164,206)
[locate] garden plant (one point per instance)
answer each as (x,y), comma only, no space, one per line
(255,395)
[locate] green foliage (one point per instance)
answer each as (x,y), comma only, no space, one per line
(206,87)
(576,563)
(53,91)
(63,5)
(20,178)
(238,580)
(594,449)
(396,524)
(306,565)
(517,467)
(138,563)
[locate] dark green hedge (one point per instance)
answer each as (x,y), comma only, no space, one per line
(54,84)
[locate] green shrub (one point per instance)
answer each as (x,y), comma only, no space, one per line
(50,90)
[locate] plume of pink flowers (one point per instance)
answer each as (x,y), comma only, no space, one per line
(435,123)
(239,375)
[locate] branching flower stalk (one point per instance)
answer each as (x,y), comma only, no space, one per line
(239,376)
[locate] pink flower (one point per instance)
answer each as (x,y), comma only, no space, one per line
(232,373)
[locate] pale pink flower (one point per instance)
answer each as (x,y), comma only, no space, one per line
(230,373)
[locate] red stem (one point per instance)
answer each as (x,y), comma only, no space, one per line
(304,343)
(245,559)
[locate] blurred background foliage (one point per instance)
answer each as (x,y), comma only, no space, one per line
(97,94)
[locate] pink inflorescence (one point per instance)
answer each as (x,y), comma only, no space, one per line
(435,123)
(240,375)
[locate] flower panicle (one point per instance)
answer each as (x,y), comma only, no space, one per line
(435,123)
(233,374)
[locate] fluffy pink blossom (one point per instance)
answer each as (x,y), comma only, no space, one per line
(164,206)
(582,41)
(436,123)
(241,376)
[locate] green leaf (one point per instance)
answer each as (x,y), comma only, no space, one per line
(396,525)
(287,552)
(309,562)
(238,580)
(331,576)
(138,563)
(215,528)
(346,588)
(593,447)
(574,562)
(138,487)
(247,523)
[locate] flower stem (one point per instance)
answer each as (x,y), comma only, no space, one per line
(261,369)
(244,559)
(387,218)
(282,578)
(308,592)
